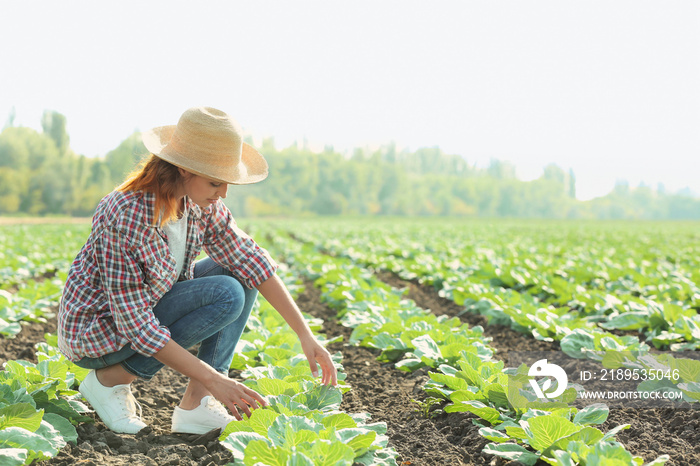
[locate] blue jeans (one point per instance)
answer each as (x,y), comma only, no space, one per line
(211,309)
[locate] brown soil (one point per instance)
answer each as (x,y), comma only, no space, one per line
(387,394)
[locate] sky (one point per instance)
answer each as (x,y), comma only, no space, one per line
(608,89)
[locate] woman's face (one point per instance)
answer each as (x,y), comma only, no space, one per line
(202,191)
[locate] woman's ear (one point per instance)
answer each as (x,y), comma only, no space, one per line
(183,172)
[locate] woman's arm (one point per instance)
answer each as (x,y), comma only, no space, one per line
(235,250)
(276,293)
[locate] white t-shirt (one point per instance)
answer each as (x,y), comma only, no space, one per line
(177,237)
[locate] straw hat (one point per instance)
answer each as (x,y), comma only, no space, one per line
(208,142)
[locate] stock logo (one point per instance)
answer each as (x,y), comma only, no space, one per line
(544,369)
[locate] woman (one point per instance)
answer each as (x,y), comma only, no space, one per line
(135,300)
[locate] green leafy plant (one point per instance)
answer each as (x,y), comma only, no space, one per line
(37,410)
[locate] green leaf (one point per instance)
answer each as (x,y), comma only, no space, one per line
(548,429)
(579,449)
(52,435)
(452,382)
(13,456)
(378,427)
(563,458)
(494,435)
(487,413)
(425,347)
(273,356)
(63,426)
(587,435)
(260,452)
(9,397)
(691,390)
(275,387)
(512,452)
(594,414)
(688,369)
(385,457)
(16,437)
(610,435)
(261,420)
(9,329)
(236,426)
(322,397)
(61,407)
(516,432)
(281,430)
(409,364)
(357,438)
(299,437)
(578,343)
(611,453)
(22,415)
(236,442)
(53,369)
(496,394)
(465,395)
(385,341)
(298,458)
(453,350)
(661,460)
(339,421)
(627,321)
(324,452)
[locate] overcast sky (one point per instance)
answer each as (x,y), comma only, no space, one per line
(606,88)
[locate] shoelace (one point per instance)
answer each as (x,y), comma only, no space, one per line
(127,402)
(217,408)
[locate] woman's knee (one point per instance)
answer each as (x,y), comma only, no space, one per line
(227,292)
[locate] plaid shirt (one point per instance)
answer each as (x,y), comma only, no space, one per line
(125,267)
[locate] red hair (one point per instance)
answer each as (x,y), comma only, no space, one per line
(161,178)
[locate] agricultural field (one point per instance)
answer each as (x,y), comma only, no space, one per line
(428,321)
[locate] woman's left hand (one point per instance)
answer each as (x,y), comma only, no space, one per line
(316,353)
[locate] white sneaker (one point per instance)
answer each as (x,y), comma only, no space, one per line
(209,415)
(116,405)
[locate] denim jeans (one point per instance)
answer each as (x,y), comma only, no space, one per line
(211,309)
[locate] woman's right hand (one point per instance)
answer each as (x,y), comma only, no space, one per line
(231,393)
(234,394)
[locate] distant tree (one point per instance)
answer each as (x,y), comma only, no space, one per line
(10,190)
(10,122)
(500,170)
(125,158)
(621,187)
(572,184)
(54,126)
(554,173)
(14,152)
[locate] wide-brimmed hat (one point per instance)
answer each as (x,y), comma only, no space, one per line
(208,142)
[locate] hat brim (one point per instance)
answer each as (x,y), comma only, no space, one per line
(252,168)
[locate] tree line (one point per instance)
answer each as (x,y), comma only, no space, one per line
(41,175)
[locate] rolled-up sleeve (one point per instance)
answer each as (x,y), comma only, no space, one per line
(235,250)
(128,293)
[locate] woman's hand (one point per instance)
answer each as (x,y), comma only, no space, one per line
(316,353)
(276,293)
(234,394)
(229,392)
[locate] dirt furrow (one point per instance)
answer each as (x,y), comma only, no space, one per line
(22,345)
